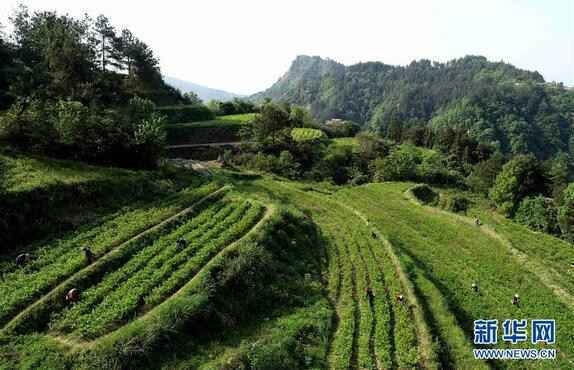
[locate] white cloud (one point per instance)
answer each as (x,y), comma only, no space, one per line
(244,46)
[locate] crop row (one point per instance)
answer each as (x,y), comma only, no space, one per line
(342,345)
(379,313)
(361,296)
(65,320)
(165,269)
(63,257)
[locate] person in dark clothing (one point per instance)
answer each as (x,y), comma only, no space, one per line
(401,298)
(23,259)
(181,243)
(474,287)
(89,254)
(73,295)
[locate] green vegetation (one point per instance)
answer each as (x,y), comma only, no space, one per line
(59,259)
(301,135)
(222,129)
(345,246)
(497,104)
(426,238)
(186,113)
(44,196)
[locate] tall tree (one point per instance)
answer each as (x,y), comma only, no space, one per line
(106,45)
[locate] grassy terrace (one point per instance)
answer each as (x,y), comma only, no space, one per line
(232,120)
(22,174)
(445,255)
(371,328)
(222,129)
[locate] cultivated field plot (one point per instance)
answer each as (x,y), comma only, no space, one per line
(136,267)
(307,134)
(372,328)
(445,254)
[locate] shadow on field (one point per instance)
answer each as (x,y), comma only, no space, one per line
(463,318)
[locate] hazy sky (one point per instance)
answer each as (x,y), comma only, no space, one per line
(245,46)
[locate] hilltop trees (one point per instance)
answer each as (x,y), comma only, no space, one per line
(521,177)
(69,86)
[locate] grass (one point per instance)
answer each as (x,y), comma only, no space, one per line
(366,333)
(23,173)
(232,120)
(445,256)
(348,142)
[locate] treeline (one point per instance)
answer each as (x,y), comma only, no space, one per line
(513,110)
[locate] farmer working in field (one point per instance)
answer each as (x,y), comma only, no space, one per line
(73,295)
(23,259)
(88,254)
(474,287)
(180,243)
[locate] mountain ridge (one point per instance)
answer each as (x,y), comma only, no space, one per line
(511,109)
(205,93)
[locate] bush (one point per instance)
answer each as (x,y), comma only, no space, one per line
(434,169)
(399,165)
(456,204)
(131,137)
(186,113)
(566,214)
(340,128)
(425,194)
(521,177)
(538,213)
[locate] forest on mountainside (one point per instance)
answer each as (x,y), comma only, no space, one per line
(513,110)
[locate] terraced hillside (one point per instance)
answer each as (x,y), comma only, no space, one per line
(373,329)
(445,253)
(266,273)
(154,270)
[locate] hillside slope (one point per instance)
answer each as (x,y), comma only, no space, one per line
(273,274)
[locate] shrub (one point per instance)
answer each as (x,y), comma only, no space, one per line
(340,128)
(521,177)
(456,204)
(425,194)
(287,165)
(150,138)
(399,165)
(538,213)
(566,214)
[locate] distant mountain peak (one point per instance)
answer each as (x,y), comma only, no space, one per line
(205,93)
